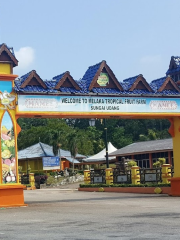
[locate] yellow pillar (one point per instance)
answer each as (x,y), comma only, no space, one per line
(32,180)
(135,176)
(87,178)
(109,176)
(176,147)
(166,174)
(175,132)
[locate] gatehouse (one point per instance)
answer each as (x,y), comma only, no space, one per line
(98,94)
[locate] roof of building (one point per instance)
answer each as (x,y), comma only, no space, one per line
(91,82)
(145,147)
(39,150)
(10,48)
(101,155)
(174,65)
(59,85)
(9,52)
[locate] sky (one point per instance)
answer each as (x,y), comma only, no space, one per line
(51,37)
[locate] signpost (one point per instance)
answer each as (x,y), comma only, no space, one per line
(51,163)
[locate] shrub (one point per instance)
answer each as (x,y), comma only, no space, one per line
(159,162)
(131,164)
(40,179)
(101,185)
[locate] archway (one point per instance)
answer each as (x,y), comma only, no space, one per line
(97,95)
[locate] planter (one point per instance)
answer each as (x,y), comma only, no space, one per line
(147,190)
(11,195)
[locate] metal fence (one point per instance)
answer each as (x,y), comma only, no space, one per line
(121,176)
(98,176)
(150,175)
(147,175)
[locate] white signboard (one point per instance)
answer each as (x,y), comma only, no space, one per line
(98,180)
(122,178)
(150,177)
(36,103)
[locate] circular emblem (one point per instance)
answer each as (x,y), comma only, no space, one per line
(103,79)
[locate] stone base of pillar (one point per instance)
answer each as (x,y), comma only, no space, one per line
(175,186)
(12,195)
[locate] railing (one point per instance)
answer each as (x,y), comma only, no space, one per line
(98,176)
(121,176)
(150,175)
(171,171)
(147,175)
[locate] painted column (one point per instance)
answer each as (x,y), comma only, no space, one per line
(109,176)
(11,192)
(166,174)
(135,176)
(176,146)
(87,178)
(175,133)
(8,126)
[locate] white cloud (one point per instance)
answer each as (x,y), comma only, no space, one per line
(153,59)
(25,56)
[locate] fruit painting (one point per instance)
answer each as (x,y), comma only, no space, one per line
(8,150)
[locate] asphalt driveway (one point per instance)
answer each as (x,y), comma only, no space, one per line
(69,214)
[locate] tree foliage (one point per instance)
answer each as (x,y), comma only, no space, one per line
(77,134)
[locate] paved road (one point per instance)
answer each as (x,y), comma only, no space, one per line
(73,215)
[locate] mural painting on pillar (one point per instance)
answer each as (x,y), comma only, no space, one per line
(8,151)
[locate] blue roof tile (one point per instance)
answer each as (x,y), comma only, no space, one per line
(85,82)
(127,83)
(156,84)
(177,68)
(90,73)
(24,77)
(58,77)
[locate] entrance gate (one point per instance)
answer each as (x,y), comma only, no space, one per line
(97,95)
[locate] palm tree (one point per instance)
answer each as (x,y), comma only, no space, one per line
(72,143)
(55,140)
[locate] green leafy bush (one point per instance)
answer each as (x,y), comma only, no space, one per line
(159,162)
(99,185)
(131,163)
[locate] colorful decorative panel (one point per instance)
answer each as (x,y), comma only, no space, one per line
(8,150)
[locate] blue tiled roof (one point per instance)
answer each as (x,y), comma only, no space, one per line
(171,71)
(106,90)
(58,77)
(43,150)
(177,69)
(24,77)
(85,82)
(127,83)
(177,60)
(170,92)
(90,73)
(28,88)
(156,84)
(39,89)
